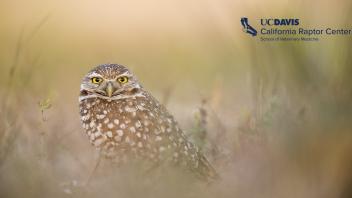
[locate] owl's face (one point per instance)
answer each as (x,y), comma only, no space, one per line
(109,81)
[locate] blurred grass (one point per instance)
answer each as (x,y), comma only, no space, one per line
(277,116)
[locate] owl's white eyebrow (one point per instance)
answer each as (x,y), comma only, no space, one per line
(125,74)
(94,74)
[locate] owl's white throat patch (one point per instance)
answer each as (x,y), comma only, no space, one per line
(117,97)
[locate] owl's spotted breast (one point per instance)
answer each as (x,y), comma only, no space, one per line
(136,124)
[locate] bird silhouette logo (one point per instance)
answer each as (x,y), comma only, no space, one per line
(247,28)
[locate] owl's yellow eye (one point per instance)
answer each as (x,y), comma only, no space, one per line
(122,79)
(96,80)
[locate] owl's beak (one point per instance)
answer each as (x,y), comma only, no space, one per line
(109,89)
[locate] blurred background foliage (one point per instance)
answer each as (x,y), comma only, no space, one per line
(275,118)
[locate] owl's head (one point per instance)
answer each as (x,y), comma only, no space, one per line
(109,81)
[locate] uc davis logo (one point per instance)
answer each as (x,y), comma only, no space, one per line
(247,28)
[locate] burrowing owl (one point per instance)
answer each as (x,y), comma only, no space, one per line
(121,118)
